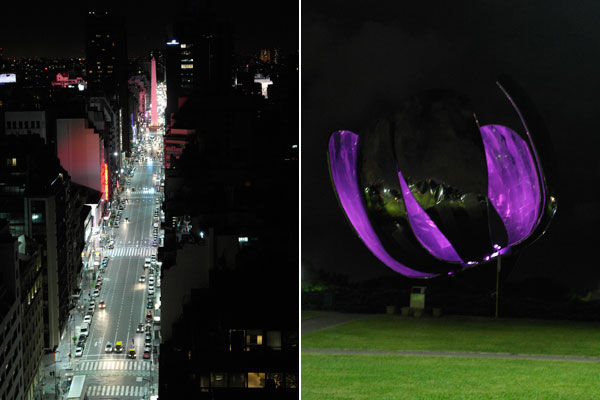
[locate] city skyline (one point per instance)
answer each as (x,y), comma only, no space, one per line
(58,32)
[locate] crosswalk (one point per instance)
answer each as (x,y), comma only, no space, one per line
(124,365)
(130,251)
(116,390)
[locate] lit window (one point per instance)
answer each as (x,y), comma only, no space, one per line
(187,66)
(256,379)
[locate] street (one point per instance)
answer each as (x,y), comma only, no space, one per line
(125,299)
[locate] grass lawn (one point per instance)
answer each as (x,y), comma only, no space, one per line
(384,332)
(310,314)
(354,377)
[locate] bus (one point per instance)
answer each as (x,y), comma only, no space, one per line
(77,391)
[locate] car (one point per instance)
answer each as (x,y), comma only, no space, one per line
(142,278)
(82,338)
(102,304)
(99,278)
(150,305)
(151,280)
(131,353)
(140,328)
(112,245)
(116,226)
(147,347)
(127,219)
(108,348)
(92,303)
(88,319)
(119,347)
(91,310)
(147,264)
(96,293)
(148,316)
(146,355)
(78,351)
(81,344)
(151,290)
(98,286)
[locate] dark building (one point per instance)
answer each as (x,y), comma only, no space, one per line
(198,57)
(107,65)
(231,237)
(37,199)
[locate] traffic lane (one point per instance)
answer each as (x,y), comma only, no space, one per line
(102,323)
(131,298)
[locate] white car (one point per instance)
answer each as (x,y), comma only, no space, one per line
(108,348)
(96,293)
(87,318)
(78,351)
(151,290)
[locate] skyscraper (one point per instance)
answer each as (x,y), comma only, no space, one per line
(106,62)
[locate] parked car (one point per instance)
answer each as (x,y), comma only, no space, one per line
(96,292)
(87,318)
(78,351)
(148,316)
(146,355)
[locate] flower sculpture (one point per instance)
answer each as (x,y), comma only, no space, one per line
(430,191)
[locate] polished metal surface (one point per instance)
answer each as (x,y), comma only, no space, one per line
(435,192)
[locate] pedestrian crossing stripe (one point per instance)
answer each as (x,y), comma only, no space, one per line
(127,365)
(116,390)
(130,251)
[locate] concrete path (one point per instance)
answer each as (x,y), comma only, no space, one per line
(549,357)
(329,320)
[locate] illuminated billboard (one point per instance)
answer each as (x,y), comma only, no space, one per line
(7,78)
(105,186)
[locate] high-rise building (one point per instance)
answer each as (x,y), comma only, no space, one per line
(198,58)
(107,65)
(36,198)
(11,346)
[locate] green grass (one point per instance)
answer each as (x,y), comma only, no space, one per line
(461,334)
(357,377)
(310,314)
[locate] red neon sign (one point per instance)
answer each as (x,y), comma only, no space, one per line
(105,182)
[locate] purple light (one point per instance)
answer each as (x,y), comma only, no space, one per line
(513,186)
(425,229)
(343,148)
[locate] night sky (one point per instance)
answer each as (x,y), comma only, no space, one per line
(56,29)
(358,61)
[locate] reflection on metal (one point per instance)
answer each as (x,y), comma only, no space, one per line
(430,191)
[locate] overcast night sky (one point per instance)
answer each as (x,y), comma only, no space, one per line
(56,29)
(358,61)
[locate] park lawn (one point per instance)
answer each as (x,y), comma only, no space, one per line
(310,314)
(389,332)
(383,377)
